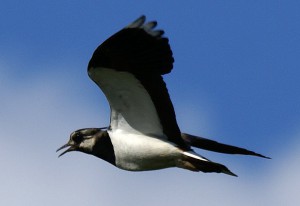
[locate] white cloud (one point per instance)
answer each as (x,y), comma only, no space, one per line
(37,118)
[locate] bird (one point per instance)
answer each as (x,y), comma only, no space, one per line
(143,133)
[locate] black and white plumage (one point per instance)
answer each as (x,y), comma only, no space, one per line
(143,133)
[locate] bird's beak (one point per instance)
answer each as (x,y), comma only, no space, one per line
(71,148)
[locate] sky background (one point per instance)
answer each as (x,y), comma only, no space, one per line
(236,79)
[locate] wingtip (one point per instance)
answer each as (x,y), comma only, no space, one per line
(148,27)
(266,157)
(260,155)
(143,16)
(215,146)
(138,22)
(228,172)
(231,174)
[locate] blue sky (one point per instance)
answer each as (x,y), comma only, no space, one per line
(235,79)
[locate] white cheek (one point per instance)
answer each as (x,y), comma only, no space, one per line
(87,144)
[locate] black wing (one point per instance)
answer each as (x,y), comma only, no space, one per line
(215,146)
(128,67)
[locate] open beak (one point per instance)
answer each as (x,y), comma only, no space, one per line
(71,148)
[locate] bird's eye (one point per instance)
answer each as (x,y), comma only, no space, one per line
(77,138)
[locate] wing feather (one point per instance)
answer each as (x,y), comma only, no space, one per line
(128,68)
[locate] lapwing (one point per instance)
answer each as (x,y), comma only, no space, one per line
(143,133)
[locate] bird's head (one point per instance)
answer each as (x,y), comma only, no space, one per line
(81,140)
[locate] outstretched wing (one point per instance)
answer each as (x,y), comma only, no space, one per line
(128,67)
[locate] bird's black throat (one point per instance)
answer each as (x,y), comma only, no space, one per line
(104,148)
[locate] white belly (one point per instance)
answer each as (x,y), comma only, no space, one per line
(136,152)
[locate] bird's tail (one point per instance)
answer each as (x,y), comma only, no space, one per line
(211,145)
(195,162)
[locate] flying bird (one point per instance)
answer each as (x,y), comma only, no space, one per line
(143,133)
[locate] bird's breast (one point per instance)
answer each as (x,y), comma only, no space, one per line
(137,152)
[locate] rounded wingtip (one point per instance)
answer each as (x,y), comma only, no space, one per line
(138,22)
(142,17)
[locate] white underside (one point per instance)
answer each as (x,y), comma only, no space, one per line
(135,129)
(132,109)
(137,152)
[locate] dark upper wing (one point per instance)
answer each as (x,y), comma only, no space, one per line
(137,49)
(215,146)
(128,68)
